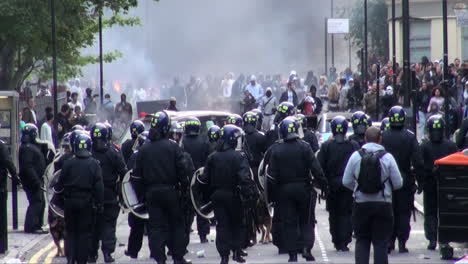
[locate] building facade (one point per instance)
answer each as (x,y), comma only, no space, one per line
(426,31)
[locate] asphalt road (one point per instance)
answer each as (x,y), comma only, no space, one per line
(44,252)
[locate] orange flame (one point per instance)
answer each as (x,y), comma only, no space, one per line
(117,87)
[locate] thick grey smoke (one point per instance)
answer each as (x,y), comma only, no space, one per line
(183,37)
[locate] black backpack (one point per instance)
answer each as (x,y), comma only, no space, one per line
(370,175)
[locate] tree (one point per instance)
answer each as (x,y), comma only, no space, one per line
(26,38)
(376,26)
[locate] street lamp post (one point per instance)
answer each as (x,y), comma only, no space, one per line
(326,46)
(406,52)
(446,73)
(394,44)
(54,55)
(101,67)
(364,73)
(332,39)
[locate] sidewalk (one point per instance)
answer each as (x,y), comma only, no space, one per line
(18,241)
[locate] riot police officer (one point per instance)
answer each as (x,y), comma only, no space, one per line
(213,137)
(177,131)
(360,122)
(113,171)
(333,157)
(198,148)
(161,174)
(66,152)
(32,165)
(402,144)
(283,110)
(309,135)
(291,163)
(6,166)
(137,225)
(136,128)
(225,171)
(82,186)
(433,149)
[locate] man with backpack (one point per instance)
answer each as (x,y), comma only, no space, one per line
(373,175)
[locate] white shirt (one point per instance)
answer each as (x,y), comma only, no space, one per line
(290,97)
(226,86)
(46,133)
(72,105)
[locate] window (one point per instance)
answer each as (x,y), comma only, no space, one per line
(420,40)
(464,43)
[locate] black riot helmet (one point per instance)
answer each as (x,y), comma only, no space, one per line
(339,128)
(302,120)
(360,122)
(231,137)
(214,133)
(136,128)
(192,126)
(99,132)
(73,136)
(82,146)
(235,119)
(436,126)
(397,117)
(109,131)
(259,118)
(250,119)
(283,110)
(160,126)
(29,133)
(385,125)
(289,128)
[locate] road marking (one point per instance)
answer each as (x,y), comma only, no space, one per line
(34,259)
(321,246)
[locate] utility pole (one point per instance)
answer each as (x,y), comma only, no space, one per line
(54,56)
(394,44)
(326,46)
(446,73)
(406,53)
(364,73)
(101,67)
(332,39)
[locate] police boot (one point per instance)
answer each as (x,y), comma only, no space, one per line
(224,260)
(307,254)
(182,261)
(237,257)
(432,245)
(402,247)
(243,253)
(292,257)
(92,258)
(203,239)
(108,258)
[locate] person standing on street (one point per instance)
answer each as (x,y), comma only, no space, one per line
(198,148)
(160,172)
(372,174)
(433,149)
(123,110)
(333,157)
(47,129)
(113,170)
(6,166)
(32,165)
(403,145)
(82,186)
(291,163)
(29,113)
(268,104)
(225,171)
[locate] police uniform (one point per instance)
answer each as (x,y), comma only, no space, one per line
(32,165)
(333,157)
(198,148)
(113,171)
(225,170)
(127,149)
(82,186)
(402,144)
(161,174)
(358,139)
(6,166)
(291,163)
(311,138)
(433,149)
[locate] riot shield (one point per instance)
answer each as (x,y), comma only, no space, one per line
(56,200)
(200,197)
(131,200)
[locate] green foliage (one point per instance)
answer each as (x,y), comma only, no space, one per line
(377,26)
(26,36)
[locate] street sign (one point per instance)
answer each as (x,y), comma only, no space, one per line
(338,26)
